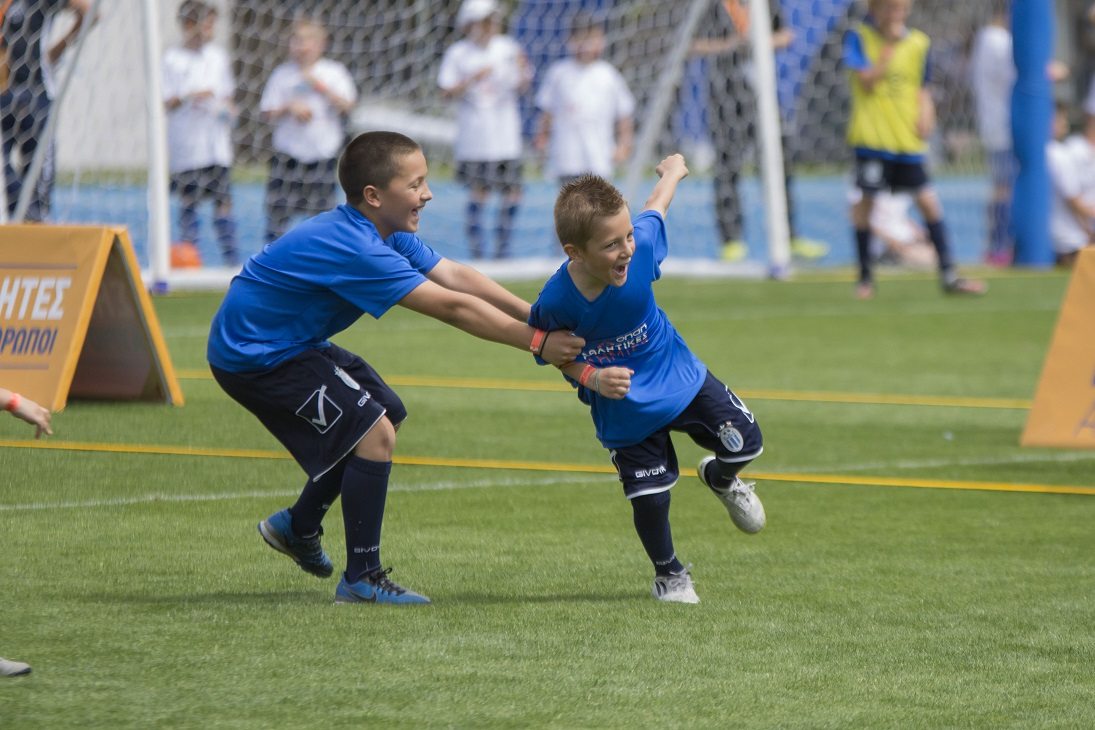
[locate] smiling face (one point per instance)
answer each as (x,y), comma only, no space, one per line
(605,257)
(398,205)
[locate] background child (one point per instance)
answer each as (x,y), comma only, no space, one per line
(485,72)
(892,116)
(1071,162)
(198,88)
(307,98)
(636,372)
(585,108)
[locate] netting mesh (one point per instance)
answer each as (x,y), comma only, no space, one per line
(393,49)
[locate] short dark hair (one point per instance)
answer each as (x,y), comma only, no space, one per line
(372,158)
(583,21)
(195,11)
(581,205)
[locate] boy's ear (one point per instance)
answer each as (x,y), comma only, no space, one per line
(574,253)
(371,196)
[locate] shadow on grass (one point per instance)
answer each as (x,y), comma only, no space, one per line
(267,599)
(479,599)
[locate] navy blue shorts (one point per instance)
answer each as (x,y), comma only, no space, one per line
(502,175)
(212,182)
(873,174)
(716,419)
(319,404)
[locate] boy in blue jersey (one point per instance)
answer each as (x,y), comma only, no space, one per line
(892,116)
(636,373)
(269,349)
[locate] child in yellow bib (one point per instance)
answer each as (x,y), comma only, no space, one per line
(892,117)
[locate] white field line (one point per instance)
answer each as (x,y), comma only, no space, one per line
(283,493)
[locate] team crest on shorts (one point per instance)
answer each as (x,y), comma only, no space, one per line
(730,437)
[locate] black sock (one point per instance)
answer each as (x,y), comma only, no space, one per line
(938,234)
(651,512)
(314,501)
(721,474)
(364,489)
(863,252)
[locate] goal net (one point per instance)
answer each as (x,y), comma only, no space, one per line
(109,149)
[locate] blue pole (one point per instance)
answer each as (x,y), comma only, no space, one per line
(1031,125)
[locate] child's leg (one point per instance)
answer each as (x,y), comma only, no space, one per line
(473,226)
(315,500)
(509,173)
(507,214)
(276,201)
(931,210)
(189,197)
(861,231)
(223,223)
(648,470)
(651,513)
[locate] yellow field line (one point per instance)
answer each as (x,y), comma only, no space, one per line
(760,394)
(870,481)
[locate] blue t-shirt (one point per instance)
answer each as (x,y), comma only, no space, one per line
(624,327)
(310,284)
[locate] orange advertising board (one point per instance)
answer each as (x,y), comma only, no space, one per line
(1063,412)
(76,320)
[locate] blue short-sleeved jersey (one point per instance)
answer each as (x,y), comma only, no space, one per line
(624,327)
(310,284)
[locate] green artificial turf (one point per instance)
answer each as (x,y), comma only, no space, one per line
(136,584)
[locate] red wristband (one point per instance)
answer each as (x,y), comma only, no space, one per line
(586,374)
(13,403)
(537,345)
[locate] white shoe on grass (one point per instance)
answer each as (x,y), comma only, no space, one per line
(9,668)
(675,588)
(740,500)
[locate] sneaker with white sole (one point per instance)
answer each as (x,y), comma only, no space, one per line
(307,552)
(8,668)
(740,500)
(675,588)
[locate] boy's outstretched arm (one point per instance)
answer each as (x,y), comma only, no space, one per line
(477,317)
(459,277)
(27,410)
(671,170)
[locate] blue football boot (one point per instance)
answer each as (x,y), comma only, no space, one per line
(375,587)
(277,531)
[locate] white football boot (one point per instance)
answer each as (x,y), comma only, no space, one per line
(675,588)
(740,500)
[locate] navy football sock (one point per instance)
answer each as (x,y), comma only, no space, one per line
(314,501)
(721,474)
(651,512)
(504,231)
(863,253)
(938,234)
(474,229)
(364,489)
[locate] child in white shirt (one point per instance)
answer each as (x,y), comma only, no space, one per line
(586,108)
(1071,162)
(485,72)
(197,90)
(307,98)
